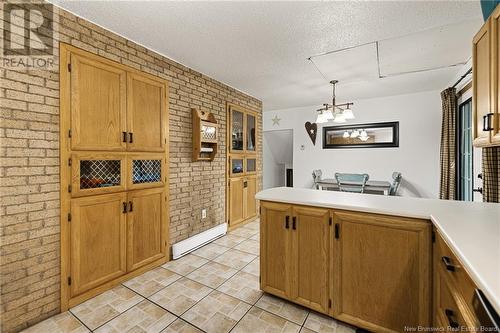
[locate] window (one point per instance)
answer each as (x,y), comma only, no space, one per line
(464,152)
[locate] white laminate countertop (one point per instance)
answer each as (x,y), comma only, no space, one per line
(471,229)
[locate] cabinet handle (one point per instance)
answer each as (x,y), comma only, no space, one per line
(447,263)
(130,206)
(131,137)
(294,223)
(245,184)
(287,222)
(488,121)
(124,136)
(484,124)
(449,315)
(124,208)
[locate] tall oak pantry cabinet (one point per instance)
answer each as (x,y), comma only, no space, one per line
(114,173)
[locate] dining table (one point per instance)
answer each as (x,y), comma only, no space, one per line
(371,185)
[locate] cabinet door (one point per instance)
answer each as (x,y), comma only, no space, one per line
(98,105)
(250,132)
(310,256)
(146,171)
(275,240)
(481,83)
(495,46)
(249,191)
(236,130)
(146,113)
(146,232)
(98,236)
(236,201)
(382,265)
(97,173)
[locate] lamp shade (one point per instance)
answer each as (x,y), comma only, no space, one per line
(321,118)
(339,118)
(348,114)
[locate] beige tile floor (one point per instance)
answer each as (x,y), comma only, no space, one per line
(214,289)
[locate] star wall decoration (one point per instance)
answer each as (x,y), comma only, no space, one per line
(276,120)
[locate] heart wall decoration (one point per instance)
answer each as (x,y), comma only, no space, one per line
(312,130)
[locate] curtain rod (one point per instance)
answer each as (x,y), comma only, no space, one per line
(462,77)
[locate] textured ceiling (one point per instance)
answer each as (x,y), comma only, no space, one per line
(261,48)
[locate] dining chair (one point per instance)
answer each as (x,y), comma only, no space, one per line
(316,177)
(351,182)
(396,181)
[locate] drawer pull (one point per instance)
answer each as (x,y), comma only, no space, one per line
(447,263)
(124,208)
(287,222)
(294,223)
(449,315)
(130,206)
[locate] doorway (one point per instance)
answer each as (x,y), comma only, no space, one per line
(278,158)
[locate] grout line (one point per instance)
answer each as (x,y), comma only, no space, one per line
(78,319)
(186,276)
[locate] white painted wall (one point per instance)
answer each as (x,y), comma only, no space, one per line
(417,156)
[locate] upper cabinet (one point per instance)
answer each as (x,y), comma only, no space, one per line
(113,109)
(145,113)
(495,35)
(243,129)
(486,92)
(98,105)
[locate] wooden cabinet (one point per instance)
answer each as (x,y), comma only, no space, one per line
(242,160)
(295,253)
(235,191)
(98,241)
(249,201)
(495,66)
(146,234)
(145,113)
(481,84)
(382,265)
(486,90)
(311,233)
(98,104)
(454,291)
(276,249)
(114,175)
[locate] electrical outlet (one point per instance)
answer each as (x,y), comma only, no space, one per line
(203,213)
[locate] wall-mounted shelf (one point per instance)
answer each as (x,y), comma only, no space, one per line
(205,133)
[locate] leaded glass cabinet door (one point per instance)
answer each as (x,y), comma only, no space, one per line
(145,171)
(237,131)
(97,173)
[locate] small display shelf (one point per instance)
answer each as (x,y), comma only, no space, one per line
(205,133)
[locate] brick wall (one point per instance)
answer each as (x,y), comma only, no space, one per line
(29,171)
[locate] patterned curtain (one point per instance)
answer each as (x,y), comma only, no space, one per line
(491,174)
(447,184)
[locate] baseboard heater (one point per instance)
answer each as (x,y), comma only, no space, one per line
(194,242)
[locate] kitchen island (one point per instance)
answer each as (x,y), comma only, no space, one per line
(379,262)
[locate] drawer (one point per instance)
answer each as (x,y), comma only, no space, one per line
(453,269)
(448,311)
(455,289)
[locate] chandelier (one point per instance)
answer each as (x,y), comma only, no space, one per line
(339,113)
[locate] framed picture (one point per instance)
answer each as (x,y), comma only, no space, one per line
(372,135)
